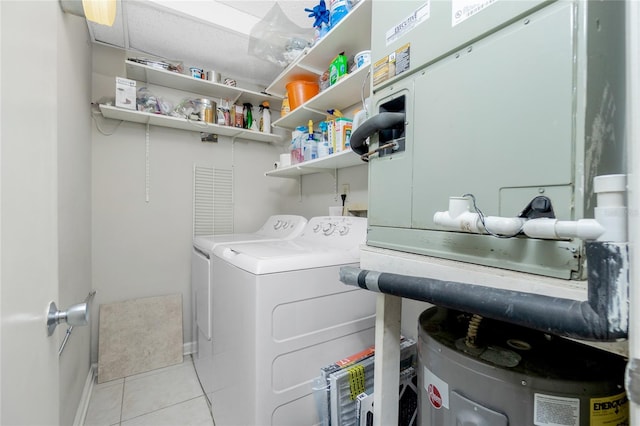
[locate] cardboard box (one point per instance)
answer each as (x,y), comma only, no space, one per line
(343,128)
(125,93)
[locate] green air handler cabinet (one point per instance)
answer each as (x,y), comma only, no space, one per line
(510,101)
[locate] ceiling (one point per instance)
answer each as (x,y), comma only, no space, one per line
(208,34)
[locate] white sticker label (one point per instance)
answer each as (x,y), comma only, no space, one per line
(549,410)
(410,22)
(437,390)
(461,10)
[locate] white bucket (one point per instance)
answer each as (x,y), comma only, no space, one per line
(362,58)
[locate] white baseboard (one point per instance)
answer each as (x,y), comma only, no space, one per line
(189,348)
(83,406)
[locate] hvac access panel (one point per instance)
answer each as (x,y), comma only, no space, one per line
(439,26)
(518,100)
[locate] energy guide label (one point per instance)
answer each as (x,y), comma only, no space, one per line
(549,410)
(609,411)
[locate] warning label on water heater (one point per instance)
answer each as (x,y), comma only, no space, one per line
(609,411)
(549,410)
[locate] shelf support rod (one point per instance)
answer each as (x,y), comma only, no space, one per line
(146,164)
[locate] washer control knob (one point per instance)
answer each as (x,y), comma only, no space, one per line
(278,224)
(317,227)
(285,225)
(328,228)
(344,230)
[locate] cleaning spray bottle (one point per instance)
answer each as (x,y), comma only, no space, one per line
(265,119)
(248,115)
(310,148)
(324,149)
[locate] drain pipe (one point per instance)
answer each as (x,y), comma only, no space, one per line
(603,317)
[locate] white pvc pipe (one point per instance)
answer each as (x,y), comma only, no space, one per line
(611,210)
(459,217)
(547,228)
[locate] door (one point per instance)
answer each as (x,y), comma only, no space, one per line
(28,213)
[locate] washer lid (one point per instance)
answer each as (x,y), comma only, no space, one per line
(281,256)
(209,242)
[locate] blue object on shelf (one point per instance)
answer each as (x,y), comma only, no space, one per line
(338,10)
(321,15)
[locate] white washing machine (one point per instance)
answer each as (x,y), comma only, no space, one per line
(280,314)
(277,227)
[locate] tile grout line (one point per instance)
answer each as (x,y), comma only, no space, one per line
(204,394)
(124,381)
(159,409)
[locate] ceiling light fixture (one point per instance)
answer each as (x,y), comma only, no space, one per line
(98,11)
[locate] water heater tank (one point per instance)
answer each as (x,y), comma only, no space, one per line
(479,372)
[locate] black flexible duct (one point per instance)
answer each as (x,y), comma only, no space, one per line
(603,317)
(381,121)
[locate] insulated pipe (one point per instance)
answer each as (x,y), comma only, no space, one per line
(603,317)
(381,121)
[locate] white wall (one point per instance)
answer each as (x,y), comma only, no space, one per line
(46,207)
(74,200)
(317,192)
(142,249)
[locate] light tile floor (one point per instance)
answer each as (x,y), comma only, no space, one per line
(168,396)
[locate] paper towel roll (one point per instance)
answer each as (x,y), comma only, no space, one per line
(285,160)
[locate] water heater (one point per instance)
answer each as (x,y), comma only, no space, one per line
(516,105)
(479,372)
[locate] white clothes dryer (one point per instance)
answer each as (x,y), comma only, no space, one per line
(280,314)
(277,227)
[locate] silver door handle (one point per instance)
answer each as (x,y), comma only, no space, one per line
(75,315)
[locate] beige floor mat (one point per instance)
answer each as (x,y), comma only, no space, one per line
(139,335)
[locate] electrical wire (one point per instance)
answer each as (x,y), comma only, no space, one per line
(482,220)
(94,113)
(364,83)
(344,197)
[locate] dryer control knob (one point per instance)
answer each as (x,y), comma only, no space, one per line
(317,228)
(344,230)
(277,225)
(285,225)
